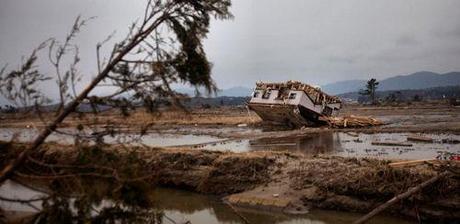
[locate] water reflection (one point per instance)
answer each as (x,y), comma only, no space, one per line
(167,206)
(348,145)
(329,143)
(90,201)
(186,206)
(323,143)
(149,139)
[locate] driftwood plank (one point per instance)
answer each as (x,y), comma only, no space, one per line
(412,162)
(392,144)
(418,138)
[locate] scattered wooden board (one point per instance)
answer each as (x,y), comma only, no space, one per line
(352,134)
(392,144)
(412,162)
(351,121)
(423,161)
(418,138)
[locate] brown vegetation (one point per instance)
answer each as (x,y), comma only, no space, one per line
(348,184)
(141,118)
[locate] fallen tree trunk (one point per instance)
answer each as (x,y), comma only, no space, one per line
(399,197)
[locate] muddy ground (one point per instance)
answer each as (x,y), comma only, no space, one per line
(423,117)
(283,181)
(289,182)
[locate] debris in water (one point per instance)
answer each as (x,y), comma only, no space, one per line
(392,144)
(352,134)
(445,155)
(418,138)
(450,141)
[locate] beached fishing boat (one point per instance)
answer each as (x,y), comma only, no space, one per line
(293,103)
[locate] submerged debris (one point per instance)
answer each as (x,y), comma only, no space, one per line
(392,144)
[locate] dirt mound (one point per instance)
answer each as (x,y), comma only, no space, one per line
(197,170)
(358,177)
(237,172)
(184,160)
(210,171)
(353,184)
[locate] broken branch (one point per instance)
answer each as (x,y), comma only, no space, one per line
(399,197)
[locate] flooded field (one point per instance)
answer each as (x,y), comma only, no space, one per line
(150,139)
(178,206)
(349,145)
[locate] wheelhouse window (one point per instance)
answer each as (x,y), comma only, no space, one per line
(292,96)
(255,94)
(266,95)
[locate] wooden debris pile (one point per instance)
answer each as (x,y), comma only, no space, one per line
(352,121)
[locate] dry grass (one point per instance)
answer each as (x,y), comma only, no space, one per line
(140,118)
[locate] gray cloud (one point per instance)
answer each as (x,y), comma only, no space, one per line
(406,40)
(313,41)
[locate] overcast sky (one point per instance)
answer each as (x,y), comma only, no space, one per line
(317,42)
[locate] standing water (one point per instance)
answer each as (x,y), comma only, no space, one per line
(349,145)
(178,206)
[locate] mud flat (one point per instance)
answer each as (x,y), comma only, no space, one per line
(422,117)
(287,182)
(346,144)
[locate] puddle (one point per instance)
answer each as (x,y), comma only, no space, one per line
(344,144)
(182,206)
(150,139)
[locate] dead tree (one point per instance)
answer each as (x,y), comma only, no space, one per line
(165,47)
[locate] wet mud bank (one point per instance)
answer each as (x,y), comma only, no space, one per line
(271,180)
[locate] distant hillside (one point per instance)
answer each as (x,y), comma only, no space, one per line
(434,93)
(238,91)
(215,101)
(418,80)
(343,86)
